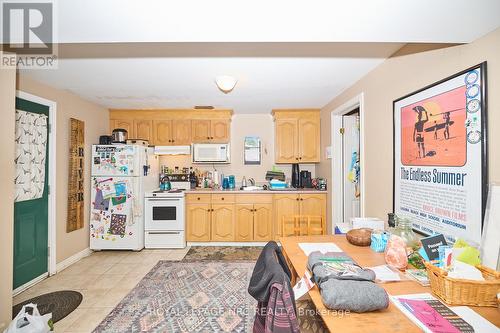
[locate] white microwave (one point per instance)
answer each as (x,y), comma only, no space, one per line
(211,153)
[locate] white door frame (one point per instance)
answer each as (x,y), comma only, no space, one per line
(336,143)
(52,184)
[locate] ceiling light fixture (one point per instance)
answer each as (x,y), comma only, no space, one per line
(225,83)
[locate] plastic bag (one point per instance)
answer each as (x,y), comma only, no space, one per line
(25,322)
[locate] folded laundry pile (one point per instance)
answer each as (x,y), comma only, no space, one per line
(344,285)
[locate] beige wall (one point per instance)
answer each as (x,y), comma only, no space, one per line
(7,128)
(96,120)
(395,78)
(261,125)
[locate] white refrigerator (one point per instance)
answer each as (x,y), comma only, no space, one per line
(120,176)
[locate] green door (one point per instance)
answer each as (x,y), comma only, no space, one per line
(30,216)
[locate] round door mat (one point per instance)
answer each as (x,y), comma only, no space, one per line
(59,303)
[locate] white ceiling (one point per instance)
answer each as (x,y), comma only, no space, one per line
(448,21)
(166,54)
(263,83)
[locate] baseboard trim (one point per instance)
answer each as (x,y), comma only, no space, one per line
(29,284)
(226,243)
(73,259)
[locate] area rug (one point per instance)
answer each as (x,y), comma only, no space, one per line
(59,303)
(309,321)
(224,253)
(187,296)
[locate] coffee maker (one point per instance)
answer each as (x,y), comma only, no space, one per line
(295,175)
(305,179)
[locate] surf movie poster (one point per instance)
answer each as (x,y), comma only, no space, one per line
(440,162)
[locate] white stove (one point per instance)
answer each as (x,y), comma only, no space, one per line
(164,219)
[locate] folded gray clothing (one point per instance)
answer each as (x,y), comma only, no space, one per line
(354,290)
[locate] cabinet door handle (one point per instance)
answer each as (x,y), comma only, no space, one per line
(301,199)
(208,137)
(297,199)
(222,198)
(198,198)
(300,158)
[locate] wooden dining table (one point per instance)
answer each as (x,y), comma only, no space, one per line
(388,320)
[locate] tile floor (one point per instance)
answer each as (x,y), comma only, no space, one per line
(104,279)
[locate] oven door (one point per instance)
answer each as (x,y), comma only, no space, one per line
(164,214)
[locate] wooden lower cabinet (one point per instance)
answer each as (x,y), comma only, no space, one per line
(284,205)
(287,205)
(198,222)
(240,218)
(263,222)
(222,222)
(244,222)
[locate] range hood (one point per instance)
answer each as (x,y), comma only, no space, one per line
(172,150)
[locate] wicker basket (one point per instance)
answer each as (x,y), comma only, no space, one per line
(465,292)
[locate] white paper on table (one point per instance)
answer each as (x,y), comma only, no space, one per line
(308,248)
(474,319)
(384,273)
(303,285)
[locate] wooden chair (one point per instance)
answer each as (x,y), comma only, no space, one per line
(298,221)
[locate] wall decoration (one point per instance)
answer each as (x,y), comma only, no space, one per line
(440,162)
(252,150)
(76,176)
(30,158)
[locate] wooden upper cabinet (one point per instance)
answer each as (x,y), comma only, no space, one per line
(126,124)
(143,130)
(219,131)
(262,225)
(210,131)
(297,134)
(162,132)
(174,126)
(309,145)
(222,222)
(286,141)
(200,130)
(181,134)
(244,222)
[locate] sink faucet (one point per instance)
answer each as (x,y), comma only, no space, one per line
(251,181)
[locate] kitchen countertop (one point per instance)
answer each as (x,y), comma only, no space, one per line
(238,191)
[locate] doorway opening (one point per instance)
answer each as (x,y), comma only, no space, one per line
(351,171)
(347,162)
